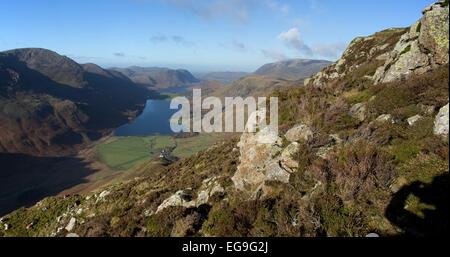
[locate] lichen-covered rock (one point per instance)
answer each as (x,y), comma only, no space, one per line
(434,31)
(274,172)
(362,51)
(441,122)
(180,198)
(421,49)
(358,111)
(254,158)
(300,132)
(289,157)
(210,187)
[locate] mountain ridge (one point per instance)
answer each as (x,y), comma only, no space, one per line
(158,77)
(292,69)
(49,102)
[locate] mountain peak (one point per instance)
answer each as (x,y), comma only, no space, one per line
(57,67)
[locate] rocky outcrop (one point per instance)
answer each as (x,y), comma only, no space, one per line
(261,163)
(185,198)
(255,158)
(362,52)
(422,48)
(394,53)
(441,122)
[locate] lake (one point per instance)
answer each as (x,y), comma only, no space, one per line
(155,118)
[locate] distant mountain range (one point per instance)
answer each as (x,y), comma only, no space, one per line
(293,69)
(224,77)
(158,77)
(49,103)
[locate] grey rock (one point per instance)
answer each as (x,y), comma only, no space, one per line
(358,111)
(441,122)
(385,118)
(71,225)
(300,132)
(275,173)
(421,49)
(288,157)
(412,120)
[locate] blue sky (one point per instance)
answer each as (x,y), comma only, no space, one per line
(200,35)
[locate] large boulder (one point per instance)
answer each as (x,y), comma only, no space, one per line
(255,157)
(441,122)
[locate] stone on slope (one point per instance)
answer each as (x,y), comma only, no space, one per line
(441,122)
(300,132)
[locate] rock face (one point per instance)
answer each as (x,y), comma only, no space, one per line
(362,52)
(260,163)
(255,157)
(395,53)
(421,49)
(441,122)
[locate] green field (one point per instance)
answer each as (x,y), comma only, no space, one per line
(126,152)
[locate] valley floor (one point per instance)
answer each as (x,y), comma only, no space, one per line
(110,160)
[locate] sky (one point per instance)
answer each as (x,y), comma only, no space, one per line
(199,35)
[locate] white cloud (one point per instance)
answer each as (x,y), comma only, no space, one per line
(292,39)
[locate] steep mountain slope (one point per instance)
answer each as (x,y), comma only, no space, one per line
(355,155)
(49,103)
(254,85)
(158,77)
(225,77)
(294,69)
